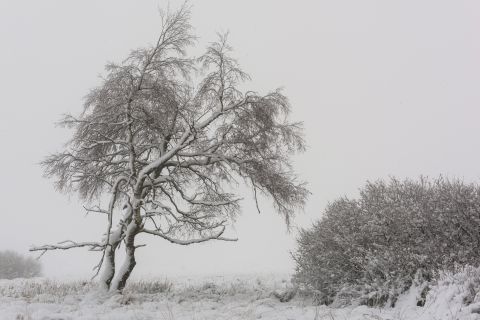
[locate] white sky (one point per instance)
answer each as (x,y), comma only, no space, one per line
(383,87)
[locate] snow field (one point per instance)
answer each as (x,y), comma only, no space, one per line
(242,297)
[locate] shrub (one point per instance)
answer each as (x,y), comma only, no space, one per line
(371,249)
(14,265)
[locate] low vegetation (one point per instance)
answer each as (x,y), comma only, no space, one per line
(395,235)
(452,296)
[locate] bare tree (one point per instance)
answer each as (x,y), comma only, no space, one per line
(168,147)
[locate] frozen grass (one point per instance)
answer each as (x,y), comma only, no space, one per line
(234,298)
(31,289)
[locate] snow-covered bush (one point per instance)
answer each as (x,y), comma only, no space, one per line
(371,249)
(14,265)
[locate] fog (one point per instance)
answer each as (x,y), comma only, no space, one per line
(384,89)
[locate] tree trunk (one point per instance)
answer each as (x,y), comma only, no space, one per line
(109,262)
(125,271)
(108,269)
(113,243)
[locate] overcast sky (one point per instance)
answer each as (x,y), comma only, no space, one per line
(383,87)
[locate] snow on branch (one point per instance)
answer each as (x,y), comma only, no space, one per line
(217,236)
(69,244)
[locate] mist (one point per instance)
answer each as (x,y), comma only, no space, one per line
(383,88)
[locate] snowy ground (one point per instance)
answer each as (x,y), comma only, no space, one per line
(205,298)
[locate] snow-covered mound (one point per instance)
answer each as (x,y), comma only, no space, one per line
(221,297)
(454,296)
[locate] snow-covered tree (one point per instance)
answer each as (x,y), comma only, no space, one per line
(14,265)
(169,147)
